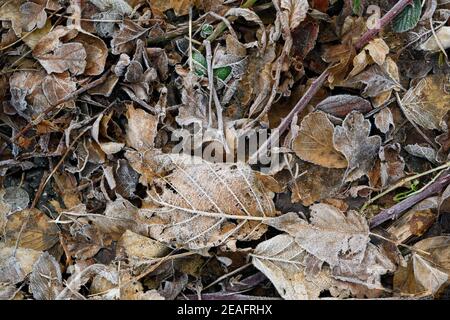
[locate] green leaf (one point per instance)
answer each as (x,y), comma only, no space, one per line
(357,7)
(408,18)
(222,73)
(199,63)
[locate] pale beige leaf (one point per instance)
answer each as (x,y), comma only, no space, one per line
(137,246)
(432,44)
(384,120)
(314,142)
(427,275)
(297,10)
(15,267)
(281,259)
(141,129)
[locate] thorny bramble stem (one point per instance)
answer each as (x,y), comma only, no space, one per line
(396,210)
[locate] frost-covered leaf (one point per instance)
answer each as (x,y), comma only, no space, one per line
(33,14)
(353,140)
(46,278)
(342,104)
(314,142)
(282,260)
(384,120)
(201,204)
(428,102)
(332,236)
(428,269)
(392,164)
(424,152)
(123,40)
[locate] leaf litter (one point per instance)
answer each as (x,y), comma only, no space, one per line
(262,149)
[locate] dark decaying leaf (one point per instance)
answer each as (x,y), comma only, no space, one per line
(343,104)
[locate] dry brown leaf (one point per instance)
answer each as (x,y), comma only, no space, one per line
(198,201)
(140,247)
(428,102)
(425,273)
(392,164)
(180,7)
(375,51)
(296,11)
(38,232)
(10,11)
(416,221)
(66,56)
(291,270)
(123,40)
(384,120)
(141,129)
(33,14)
(316,183)
(352,139)
(314,142)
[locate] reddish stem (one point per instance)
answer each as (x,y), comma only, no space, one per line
(385,20)
(395,211)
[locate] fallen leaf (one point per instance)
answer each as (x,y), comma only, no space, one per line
(428,102)
(332,236)
(141,129)
(46,278)
(123,40)
(314,142)
(296,11)
(33,14)
(375,51)
(15,265)
(198,200)
(140,247)
(34,228)
(352,139)
(384,120)
(392,164)
(442,35)
(342,104)
(420,151)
